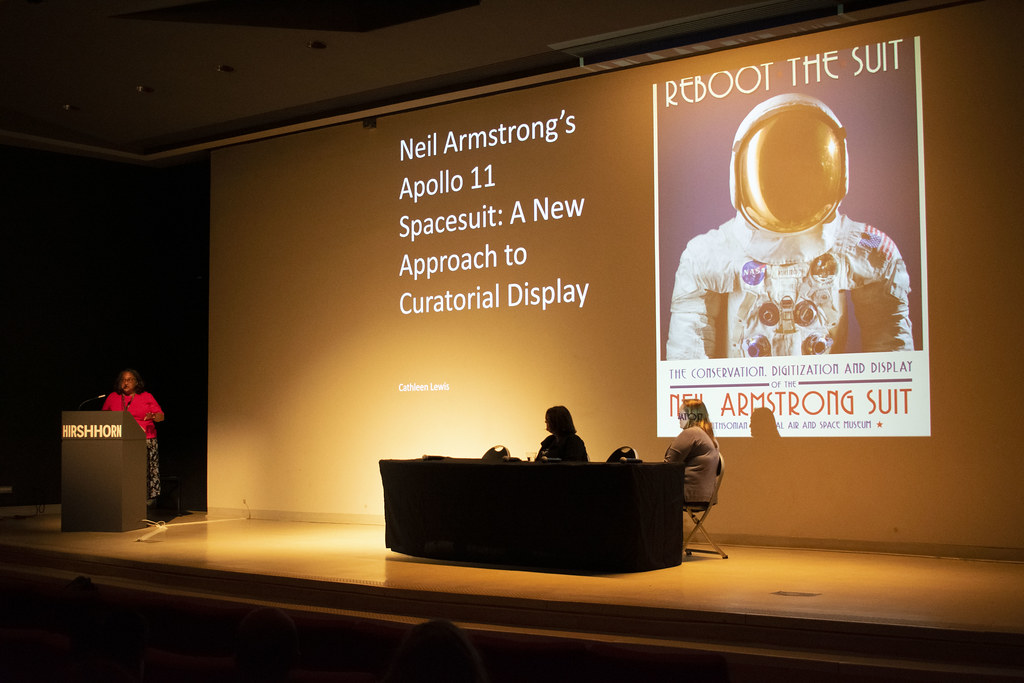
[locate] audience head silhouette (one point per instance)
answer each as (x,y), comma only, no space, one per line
(436,651)
(267,645)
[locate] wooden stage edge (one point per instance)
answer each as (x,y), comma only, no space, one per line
(796,649)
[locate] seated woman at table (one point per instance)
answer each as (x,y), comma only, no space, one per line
(697,449)
(564,443)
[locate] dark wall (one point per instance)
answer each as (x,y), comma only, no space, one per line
(105,266)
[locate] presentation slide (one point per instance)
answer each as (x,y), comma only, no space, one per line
(787,223)
(519,241)
(791,241)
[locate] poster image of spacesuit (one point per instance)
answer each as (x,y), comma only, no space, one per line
(790,234)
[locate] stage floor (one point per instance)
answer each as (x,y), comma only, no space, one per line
(807,605)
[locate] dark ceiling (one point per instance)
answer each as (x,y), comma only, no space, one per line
(151,81)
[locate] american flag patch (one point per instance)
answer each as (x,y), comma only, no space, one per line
(876,240)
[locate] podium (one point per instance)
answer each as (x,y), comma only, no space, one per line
(103,471)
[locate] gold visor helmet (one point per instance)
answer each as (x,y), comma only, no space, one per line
(789,166)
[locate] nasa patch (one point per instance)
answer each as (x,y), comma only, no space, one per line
(753,273)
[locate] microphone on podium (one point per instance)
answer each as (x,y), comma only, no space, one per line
(94,398)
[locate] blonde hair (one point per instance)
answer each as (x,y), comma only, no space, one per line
(696,414)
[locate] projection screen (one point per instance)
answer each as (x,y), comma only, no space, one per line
(614,242)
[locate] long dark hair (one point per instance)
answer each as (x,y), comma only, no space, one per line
(560,421)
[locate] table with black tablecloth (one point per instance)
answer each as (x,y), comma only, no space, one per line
(601,517)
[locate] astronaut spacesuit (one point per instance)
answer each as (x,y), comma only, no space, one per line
(774,279)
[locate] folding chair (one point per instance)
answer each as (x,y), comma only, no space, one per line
(624,454)
(496,454)
(699,512)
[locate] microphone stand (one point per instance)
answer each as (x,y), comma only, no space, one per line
(89,400)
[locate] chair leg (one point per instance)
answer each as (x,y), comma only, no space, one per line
(698,525)
(717,550)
